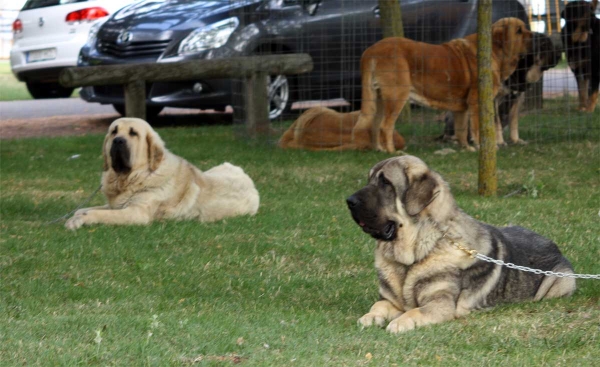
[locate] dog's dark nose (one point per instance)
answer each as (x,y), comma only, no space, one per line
(119,141)
(352,201)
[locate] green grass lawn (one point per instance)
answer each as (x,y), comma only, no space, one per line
(12,89)
(284,287)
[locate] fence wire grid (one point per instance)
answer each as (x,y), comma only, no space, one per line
(337,32)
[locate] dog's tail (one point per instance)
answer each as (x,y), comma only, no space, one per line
(368,107)
(369,90)
(292,136)
(287,138)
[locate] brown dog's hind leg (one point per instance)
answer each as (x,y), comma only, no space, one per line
(592,102)
(582,87)
(393,103)
(461,129)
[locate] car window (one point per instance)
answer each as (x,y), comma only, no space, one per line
(36,4)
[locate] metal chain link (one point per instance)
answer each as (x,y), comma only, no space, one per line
(475,254)
(76,209)
(536,271)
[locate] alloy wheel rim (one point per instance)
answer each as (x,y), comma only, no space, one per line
(279,95)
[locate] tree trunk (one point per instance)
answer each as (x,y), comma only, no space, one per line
(391,24)
(488,181)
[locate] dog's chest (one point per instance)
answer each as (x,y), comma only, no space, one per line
(401,284)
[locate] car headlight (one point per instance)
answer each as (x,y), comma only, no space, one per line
(206,38)
(93,33)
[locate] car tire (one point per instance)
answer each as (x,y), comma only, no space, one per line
(151,111)
(280,96)
(48,90)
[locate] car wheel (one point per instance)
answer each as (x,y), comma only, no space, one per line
(151,111)
(279,94)
(48,90)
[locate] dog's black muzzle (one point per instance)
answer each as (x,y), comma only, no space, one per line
(368,220)
(119,155)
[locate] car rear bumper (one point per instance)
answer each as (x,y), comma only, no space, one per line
(66,56)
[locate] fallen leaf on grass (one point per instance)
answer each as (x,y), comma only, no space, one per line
(235,359)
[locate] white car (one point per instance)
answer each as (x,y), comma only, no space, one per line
(48,35)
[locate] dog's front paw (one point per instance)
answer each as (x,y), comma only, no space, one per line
(379,148)
(371,319)
(520,142)
(469,148)
(500,145)
(75,221)
(81,211)
(401,324)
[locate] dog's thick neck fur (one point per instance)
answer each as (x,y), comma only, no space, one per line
(440,221)
(139,178)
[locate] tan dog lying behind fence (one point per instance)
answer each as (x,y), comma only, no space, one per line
(445,77)
(143,181)
(321,128)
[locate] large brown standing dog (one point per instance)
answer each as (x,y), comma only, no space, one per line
(424,276)
(321,128)
(395,70)
(143,182)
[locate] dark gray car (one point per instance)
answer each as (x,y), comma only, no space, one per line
(333,32)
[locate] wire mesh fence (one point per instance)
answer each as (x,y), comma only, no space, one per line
(541,98)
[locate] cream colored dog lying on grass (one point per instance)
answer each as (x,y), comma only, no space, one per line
(143,181)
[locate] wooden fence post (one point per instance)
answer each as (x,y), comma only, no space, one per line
(391,25)
(135,99)
(488,181)
(256,102)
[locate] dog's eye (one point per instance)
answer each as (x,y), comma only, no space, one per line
(114,132)
(132,132)
(384,181)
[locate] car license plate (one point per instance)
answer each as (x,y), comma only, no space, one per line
(41,55)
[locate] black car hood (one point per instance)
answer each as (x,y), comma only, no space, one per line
(172,15)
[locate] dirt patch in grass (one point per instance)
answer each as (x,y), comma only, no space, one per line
(55,126)
(76,125)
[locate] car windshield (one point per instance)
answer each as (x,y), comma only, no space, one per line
(36,4)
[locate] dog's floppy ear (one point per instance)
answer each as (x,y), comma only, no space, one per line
(156,150)
(419,194)
(499,37)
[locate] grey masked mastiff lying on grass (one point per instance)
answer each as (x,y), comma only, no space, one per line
(424,277)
